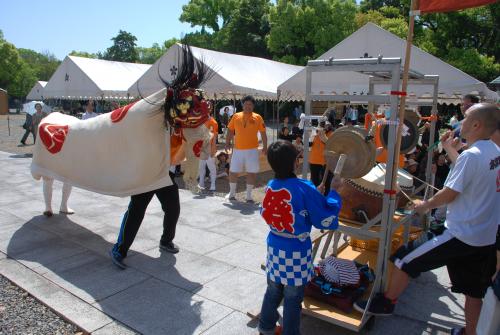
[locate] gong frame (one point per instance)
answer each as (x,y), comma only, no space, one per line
(381,71)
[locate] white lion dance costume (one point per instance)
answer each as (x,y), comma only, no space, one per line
(128,152)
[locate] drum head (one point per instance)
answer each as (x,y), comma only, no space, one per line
(409,136)
(374,181)
(360,153)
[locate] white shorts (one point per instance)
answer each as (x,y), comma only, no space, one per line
(245,161)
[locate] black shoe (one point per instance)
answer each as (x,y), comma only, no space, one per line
(117,259)
(379,305)
(169,247)
(457,331)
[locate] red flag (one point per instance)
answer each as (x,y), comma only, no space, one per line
(430,6)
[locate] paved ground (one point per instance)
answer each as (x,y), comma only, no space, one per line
(205,289)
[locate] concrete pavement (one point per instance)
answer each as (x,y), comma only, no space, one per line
(204,289)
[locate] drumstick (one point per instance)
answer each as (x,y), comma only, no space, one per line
(407,197)
(426,183)
(338,168)
(340,165)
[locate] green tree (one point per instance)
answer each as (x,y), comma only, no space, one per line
(168,43)
(83,54)
(246,31)
(201,39)
(388,18)
(472,62)
(123,48)
(213,14)
(403,6)
(475,28)
(301,30)
(43,64)
(150,55)
(15,75)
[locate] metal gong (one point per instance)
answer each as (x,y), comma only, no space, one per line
(409,136)
(360,152)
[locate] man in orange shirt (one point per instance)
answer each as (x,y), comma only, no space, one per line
(213,127)
(244,127)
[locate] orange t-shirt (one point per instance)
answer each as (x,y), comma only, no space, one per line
(212,125)
(175,148)
(317,154)
(382,157)
(246,128)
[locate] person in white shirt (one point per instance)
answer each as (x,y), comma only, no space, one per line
(89,111)
(467,246)
(351,116)
(454,120)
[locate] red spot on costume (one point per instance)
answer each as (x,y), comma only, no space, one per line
(197,148)
(119,114)
(53,136)
(277,210)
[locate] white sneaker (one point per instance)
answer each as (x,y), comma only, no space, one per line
(67,210)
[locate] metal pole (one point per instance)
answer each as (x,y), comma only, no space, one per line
(389,200)
(305,163)
(428,173)
(277,120)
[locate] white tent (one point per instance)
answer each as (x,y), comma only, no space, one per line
(372,41)
(235,75)
(84,78)
(36,92)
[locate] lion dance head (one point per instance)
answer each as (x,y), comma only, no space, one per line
(186,110)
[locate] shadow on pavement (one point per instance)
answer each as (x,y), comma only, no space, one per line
(74,257)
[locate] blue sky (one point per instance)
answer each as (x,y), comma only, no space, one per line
(60,26)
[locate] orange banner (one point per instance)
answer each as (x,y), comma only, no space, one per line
(430,6)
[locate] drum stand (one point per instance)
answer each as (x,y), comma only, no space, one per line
(379,71)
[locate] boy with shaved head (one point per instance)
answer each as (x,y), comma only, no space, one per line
(467,245)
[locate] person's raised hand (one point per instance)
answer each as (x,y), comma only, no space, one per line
(321,188)
(449,142)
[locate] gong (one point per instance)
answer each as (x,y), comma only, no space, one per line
(409,136)
(358,150)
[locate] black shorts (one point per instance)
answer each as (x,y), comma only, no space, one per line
(470,268)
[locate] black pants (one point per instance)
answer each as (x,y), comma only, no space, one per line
(169,199)
(317,172)
(26,134)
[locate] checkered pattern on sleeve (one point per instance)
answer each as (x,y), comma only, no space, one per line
(287,267)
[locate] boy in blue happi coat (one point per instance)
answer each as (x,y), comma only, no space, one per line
(291,207)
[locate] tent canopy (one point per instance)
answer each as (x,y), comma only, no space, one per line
(36,92)
(85,78)
(234,75)
(372,41)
